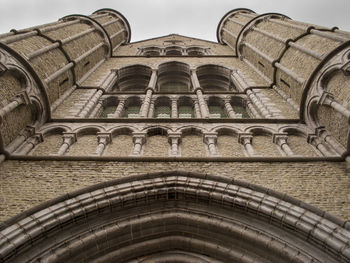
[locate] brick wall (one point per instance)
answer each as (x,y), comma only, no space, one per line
(323,184)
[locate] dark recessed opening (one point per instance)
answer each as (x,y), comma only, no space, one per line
(86,63)
(285,83)
(261,64)
(63,81)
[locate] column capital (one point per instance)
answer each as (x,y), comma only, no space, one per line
(208,136)
(277,138)
(324,98)
(174,98)
(3,68)
(245,136)
(104,137)
(28,131)
(139,135)
(24,97)
(149,88)
(198,88)
(311,138)
(69,136)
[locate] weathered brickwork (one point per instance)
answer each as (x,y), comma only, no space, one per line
(264,146)
(339,86)
(284,108)
(132,49)
(323,184)
(65,108)
(192,145)
(9,87)
(228,146)
(299,146)
(85,145)
(15,122)
(121,145)
(50,145)
(156,145)
(334,122)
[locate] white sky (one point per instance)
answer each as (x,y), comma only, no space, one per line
(153,18)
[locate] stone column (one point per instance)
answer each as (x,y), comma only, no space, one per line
(196,109)
(24,135)
(151,109)
(246,140)
(281,141)
(146,103)
(30,144)
(108,82)
(68,140)
(198,90)
(102,139)
(261,107)
(88,107)
(229,109)
(174,112)
(149,91)
(174,140)
(211,140)
(328,138)
(119,108)
(19,99)
(315,141)
(97,109)
(138,139)
(328,99)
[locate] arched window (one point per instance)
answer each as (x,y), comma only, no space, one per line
(185,108)
(133,78)
(215,78)
(132,108)
(109,106)
(174,77)
(173,51)
(216,108)
(162,108)
(239,107)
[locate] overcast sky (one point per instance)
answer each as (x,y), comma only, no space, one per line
(152,18)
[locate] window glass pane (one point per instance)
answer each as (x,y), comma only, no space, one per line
(185,112)
(162,112)
(131,112)
(217,112)
(173,87)
(240,112)
(107,110)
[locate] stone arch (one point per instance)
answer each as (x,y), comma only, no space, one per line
(173,50)
(216,108)
(192,144)
(52,141)
(86,141)
(228,143)
(263,142)
(133,78)
(162,107)
(156,142)
(239,106)
(185,107)
(213,77)
(185,213)
(174,76)
(132,107)
(109,106)
(298,142)
(151,51)
(121,142)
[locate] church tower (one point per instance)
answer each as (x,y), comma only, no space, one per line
(175,149)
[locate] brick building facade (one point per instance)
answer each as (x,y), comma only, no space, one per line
(175,149)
